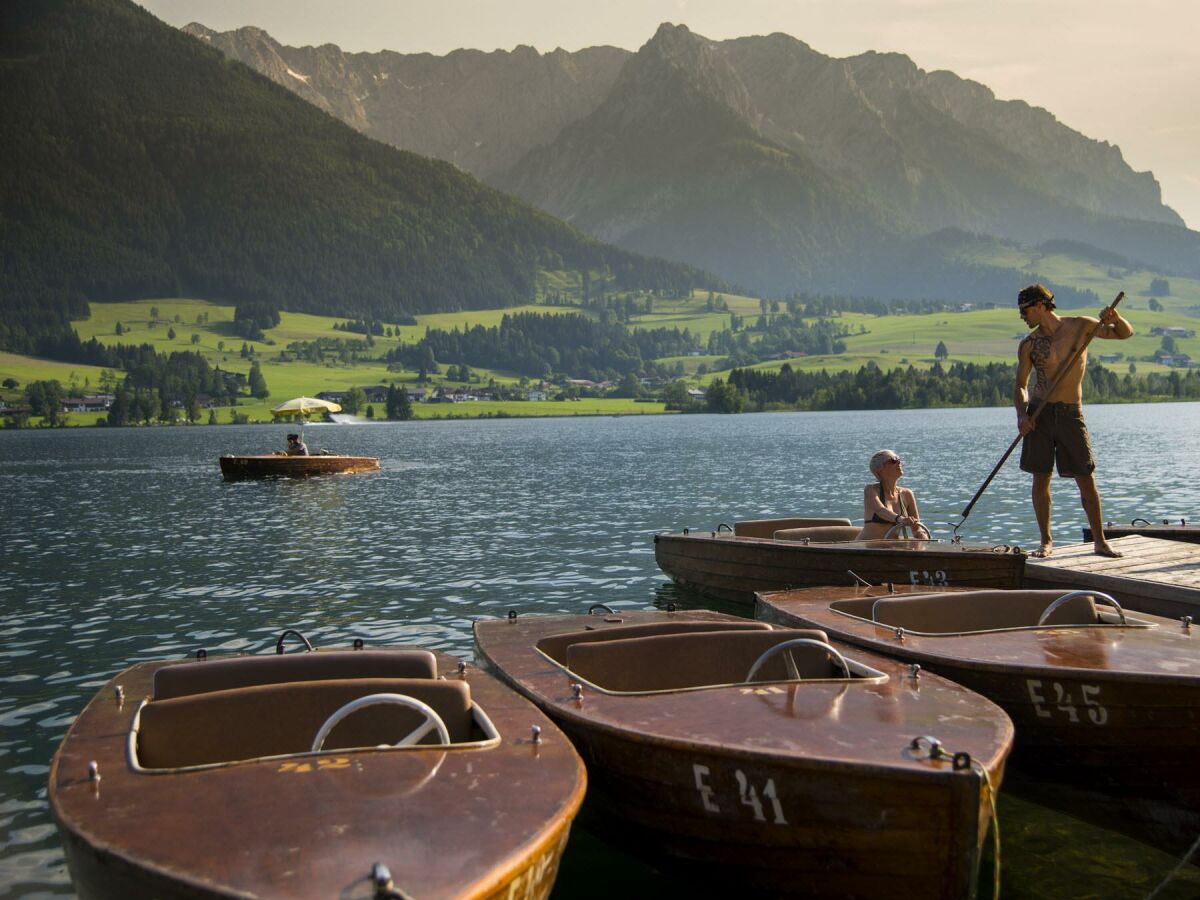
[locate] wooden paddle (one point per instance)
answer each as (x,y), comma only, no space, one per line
(1062,371)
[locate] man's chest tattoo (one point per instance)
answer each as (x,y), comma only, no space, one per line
(1039,355)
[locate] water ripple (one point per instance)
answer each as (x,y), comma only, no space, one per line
(123,546)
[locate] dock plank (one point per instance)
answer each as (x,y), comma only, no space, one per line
(1156,576)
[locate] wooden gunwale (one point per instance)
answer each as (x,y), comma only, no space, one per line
(839,767)
(735,568)
(314,824)
(279,466)
(1109,712)
(1186,533)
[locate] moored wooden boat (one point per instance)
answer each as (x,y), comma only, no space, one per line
(278,465)
(794,780)
(1106,710)
(774,555)
(1183,530)
(199,780)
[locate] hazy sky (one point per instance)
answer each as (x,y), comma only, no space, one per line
(1123,71)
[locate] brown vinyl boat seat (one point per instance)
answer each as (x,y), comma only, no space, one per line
(556,645)
(974,610)
(677,661)
(277,719)
(187,678)
(819,534)
(766,528)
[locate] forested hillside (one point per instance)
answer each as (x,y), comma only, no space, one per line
(136,162)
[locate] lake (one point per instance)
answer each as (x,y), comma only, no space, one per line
(125,545)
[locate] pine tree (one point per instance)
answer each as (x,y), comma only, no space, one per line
(404,407)
(258,384)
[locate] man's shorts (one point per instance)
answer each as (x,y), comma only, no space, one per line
(1059,436)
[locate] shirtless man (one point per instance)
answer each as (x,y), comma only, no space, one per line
(1059,434)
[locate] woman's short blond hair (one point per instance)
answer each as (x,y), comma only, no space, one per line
(879,460)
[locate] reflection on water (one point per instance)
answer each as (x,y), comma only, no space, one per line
(124,546)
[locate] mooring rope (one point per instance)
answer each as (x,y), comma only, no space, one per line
(1175,871)
(937,751)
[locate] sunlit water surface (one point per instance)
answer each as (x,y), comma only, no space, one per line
(121,546)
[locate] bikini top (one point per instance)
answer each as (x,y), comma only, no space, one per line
(882,499)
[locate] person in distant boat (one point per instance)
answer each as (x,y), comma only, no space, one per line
(296,447)
(1059,436)
(886,504)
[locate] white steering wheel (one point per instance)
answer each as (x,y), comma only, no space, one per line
(431,721)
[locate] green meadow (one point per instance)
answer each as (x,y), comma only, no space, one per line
(974,336)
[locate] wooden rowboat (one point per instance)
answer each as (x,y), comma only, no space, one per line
(1168,530)
(199,780)
(775,554)
(280,466)
(1105,703)
(795,780)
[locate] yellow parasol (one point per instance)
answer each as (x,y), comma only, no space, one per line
(302,407)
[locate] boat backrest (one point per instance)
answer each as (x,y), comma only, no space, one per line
(276,719)
(766,528)
(677,661)
(556,645)
(953,613)
(820,534)
(187,678)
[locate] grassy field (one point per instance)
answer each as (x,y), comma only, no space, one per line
(978,336)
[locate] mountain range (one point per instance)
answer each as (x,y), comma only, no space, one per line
(135,162)
(758,158)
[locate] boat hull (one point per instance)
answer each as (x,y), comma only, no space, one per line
(314,825)
(710,783)
(1106,721)
(735,568)
(1182,532)
(279,466)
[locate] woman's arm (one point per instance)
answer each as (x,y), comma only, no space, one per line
(915,513)
(872,505)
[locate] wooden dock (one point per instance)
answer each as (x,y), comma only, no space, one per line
(1155,576)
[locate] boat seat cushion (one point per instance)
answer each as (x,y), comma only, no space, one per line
(242,671)
(556,645)
(765,528)
(276,719)
(676,661)
(953,613)
(821,534)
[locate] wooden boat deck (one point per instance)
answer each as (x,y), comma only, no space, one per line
(313,825)
(734,568)
(278,465)
(802,787)
(1105,716)
(1155,576)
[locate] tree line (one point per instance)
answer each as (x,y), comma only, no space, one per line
(962,384)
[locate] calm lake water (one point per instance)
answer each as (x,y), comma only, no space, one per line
(121,546)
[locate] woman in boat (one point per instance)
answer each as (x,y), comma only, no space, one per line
(886,504)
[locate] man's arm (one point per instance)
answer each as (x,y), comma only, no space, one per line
(1020,387)
(1111,325)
